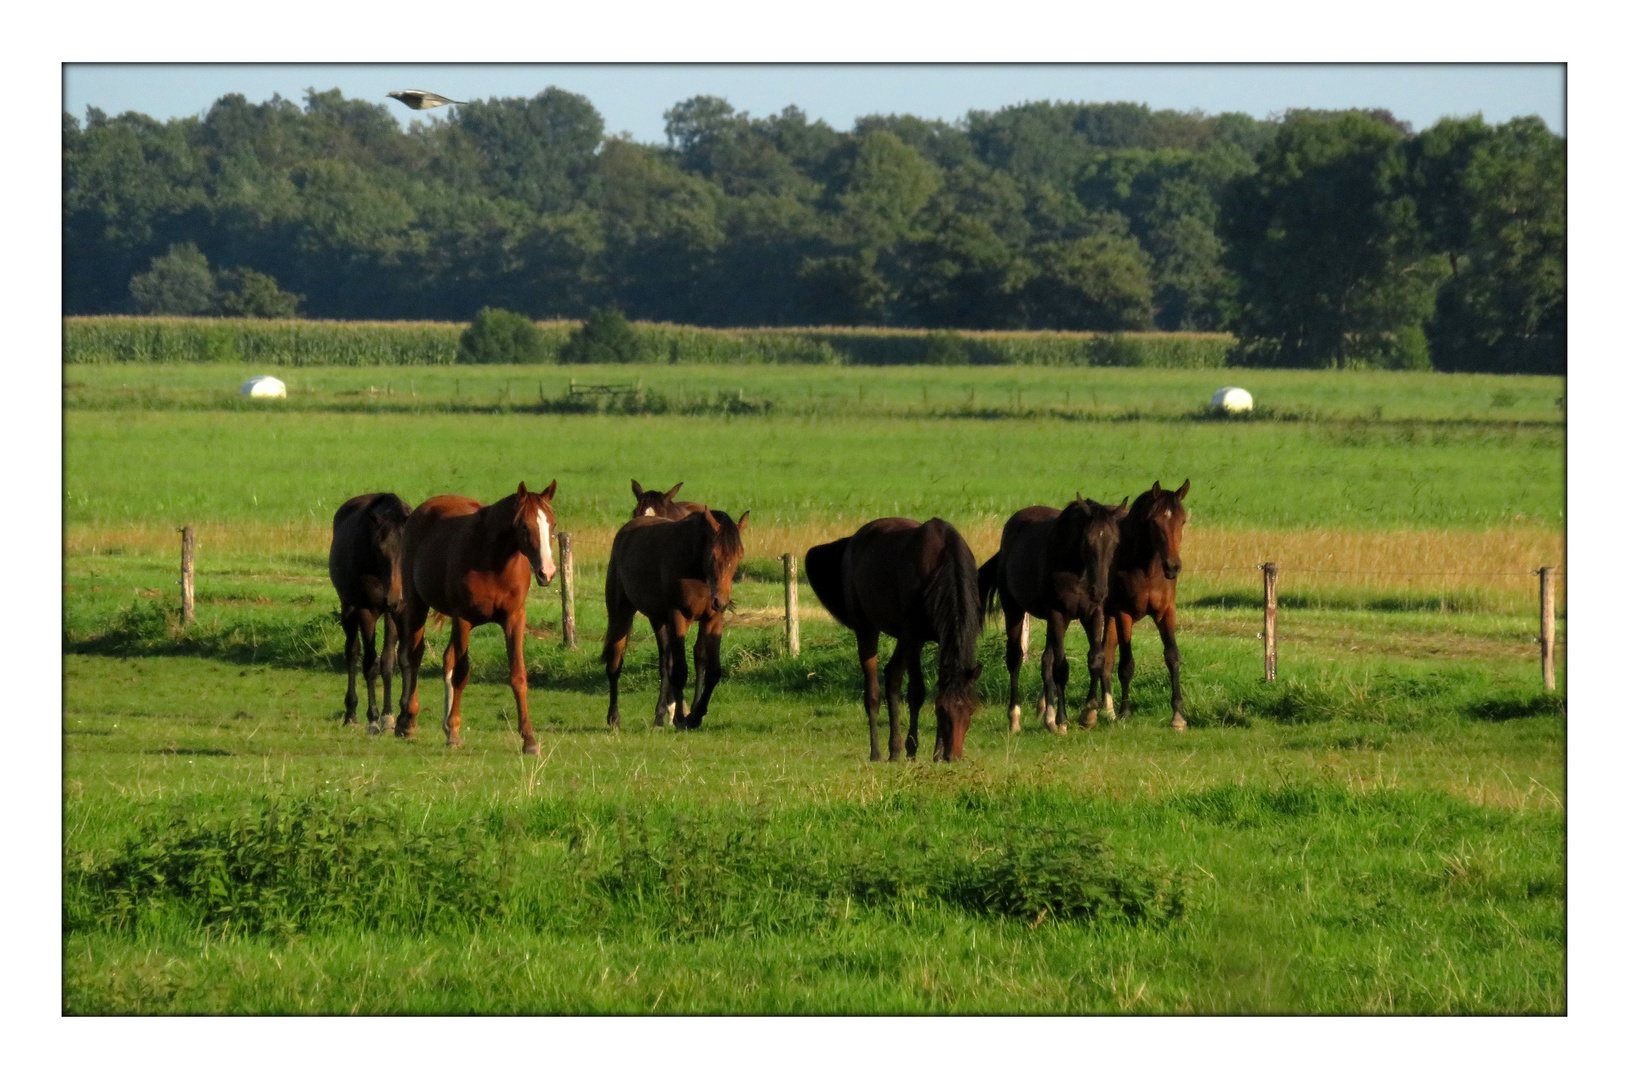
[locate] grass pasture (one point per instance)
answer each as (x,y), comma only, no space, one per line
(1380,831)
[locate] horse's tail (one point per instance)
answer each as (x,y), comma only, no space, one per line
(823,566)
(955,611)
(989,580)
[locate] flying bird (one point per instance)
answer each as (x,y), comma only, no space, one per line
(422,99)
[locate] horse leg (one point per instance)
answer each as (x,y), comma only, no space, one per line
(708,666)
(678,626)
(867,640)
(619,620)
(664,668)
(893,678)
(370,667)
(1057,710)
(1166,622)
(916,692)
(1128,666)
(1015,662)
(412,647)
(1096,682)
(352,621)
(389,660)
(514,636)
(455,676)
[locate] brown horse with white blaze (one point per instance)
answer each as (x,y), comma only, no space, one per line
(674,573)
(1142,583)
(475,565)
(916,583)
(365,565)
(1054,566)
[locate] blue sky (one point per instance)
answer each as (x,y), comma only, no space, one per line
(632,97)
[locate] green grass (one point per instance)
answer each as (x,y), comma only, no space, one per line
(1380,831)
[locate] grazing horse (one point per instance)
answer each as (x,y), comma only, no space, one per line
(673,573)
(365,565)
(1054,566)
(660,504)
(474,564)
(916,583)
(1143,581)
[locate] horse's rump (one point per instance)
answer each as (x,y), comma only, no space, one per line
(823,566)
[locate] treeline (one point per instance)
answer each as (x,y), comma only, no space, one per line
(1319,239)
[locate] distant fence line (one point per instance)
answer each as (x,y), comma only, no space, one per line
(107,339)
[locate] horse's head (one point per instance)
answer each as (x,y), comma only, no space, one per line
(386,523)
(1098,541)
(657,504)
(954,705)
(534,529)
(723,554)
(1165,516)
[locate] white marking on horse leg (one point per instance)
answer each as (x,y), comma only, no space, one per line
(1108,705)
(1051,717)
(1012,716)
(672,710)
(446,700)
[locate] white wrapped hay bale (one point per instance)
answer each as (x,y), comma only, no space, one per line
(264,386)
(1232,400)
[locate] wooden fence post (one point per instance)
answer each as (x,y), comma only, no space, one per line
(568,593)
(790,563)
(1023,639)
(186,575)
(1547,624)
(1269,619)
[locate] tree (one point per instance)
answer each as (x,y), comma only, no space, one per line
(250,294)
(496,336)
(539,150)
(606,337)
(1098,282)
(176,283)
(1334,268)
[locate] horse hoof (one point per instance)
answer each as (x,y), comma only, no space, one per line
(350,721)
(532,749)
(1091,718)
(373,728)
(454,742)
(1012,717)
(1063,729)
(1179,724)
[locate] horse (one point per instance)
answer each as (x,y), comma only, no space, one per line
(916,583)
(660,504)
(674,573)
(365,565)
(1054,565)
(473,564)
(1142,581)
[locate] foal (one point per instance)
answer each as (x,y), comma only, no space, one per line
(1142,582)
(474,564)
(365,565)
(673,573)
(1054,566)
(660,504)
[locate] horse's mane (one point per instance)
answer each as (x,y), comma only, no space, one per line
(955,613)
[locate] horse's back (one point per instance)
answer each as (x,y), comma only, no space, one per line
(643,560)
(428,544)
(350,552)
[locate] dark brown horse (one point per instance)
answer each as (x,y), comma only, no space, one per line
(365,565)
(1143,581)
(916,583)
(660,504)
(474,564)
(1054,566)
(673,573)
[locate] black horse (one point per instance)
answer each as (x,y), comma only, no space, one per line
(1054,565)
(916,583)
(365,565)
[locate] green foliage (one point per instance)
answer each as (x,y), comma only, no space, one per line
(605,337)
(176,283)
(260,342)
(496,336)
(250,294)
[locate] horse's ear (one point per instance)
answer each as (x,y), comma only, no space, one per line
(672,491)
(1182,492)
(638,492)
(711,520)
(1077,495)
(1123,509)
(548,492)
(741,522)
(1156,488)
(974,672)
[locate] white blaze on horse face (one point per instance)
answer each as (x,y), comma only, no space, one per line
(543,543)
(648,512)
